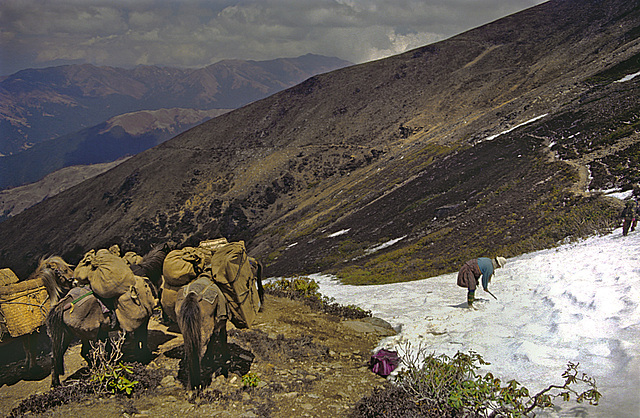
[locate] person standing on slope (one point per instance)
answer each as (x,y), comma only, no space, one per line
(629,216)
(472,270)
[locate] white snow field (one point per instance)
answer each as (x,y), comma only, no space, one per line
(576,303)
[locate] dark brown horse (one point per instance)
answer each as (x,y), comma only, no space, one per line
(78,312)
(151,265)
(201,310)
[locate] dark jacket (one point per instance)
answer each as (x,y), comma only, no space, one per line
(472,270)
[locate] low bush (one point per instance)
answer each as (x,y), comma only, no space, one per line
(442,386)
(306,290)
(107,371)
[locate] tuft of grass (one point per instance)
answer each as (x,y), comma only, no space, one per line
(629,66)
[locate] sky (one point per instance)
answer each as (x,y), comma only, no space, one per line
(196,33)
(579,303)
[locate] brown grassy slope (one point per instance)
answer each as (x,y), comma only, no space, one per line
(388,149)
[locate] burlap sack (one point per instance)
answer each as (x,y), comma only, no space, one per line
(83,312)
(108,275)
(132,258)
(184,265)
(136,305)
(232,273)
(168,300)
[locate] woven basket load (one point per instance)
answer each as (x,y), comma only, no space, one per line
(23,307)
(7,276)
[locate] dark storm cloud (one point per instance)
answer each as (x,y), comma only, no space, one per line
(126,33)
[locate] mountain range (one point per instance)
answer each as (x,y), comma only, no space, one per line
(37,105)
(497,141)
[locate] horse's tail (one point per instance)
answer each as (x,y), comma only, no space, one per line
(56,329)
(190,321)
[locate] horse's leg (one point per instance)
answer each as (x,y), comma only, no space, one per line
(141,338)
(85,352)
(29,344)
(260,288)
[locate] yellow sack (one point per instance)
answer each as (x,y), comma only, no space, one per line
(108,275)
(184,265)
(232,273)
(136,305)
(168,300)
(132,258)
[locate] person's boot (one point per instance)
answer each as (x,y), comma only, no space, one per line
(470,299)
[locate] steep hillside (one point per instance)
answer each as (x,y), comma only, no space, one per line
(390,170)
(121,136)
(44,104)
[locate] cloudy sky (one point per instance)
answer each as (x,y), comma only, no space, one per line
(196,33)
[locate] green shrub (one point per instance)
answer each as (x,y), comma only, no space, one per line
(451,386)
(306,290)
(113,378)
(107,371)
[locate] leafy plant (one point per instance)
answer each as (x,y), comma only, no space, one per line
(451,386)
(250,379)
(107,371)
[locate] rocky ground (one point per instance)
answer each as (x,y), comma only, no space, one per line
(303,362)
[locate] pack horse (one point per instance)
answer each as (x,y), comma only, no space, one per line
(228,287)
(86,306)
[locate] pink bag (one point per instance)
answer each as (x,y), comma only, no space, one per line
(384,362)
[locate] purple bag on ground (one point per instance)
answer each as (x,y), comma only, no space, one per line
(384,362)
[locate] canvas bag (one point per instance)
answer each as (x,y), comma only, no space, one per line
(108,274)
(132,258)
(168,300)
(136,305)
(83,312)
(384,362)
(232,273)
(184,265)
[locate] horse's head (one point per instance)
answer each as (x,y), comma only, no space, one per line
(56,263)
(151,264)
(57,276)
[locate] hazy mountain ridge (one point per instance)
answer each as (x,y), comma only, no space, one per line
(15,200)
(121,136)
(416,148)
(43,104)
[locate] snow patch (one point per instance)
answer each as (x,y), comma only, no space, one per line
(492,137)
(384,245)
(576,303)
(341,232)
(628,77)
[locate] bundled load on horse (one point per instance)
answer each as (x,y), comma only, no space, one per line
(184,265)
(213,244)
(234,276)
(131,257)
(135,306)
(108,274)
(230,269)
(23,305)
